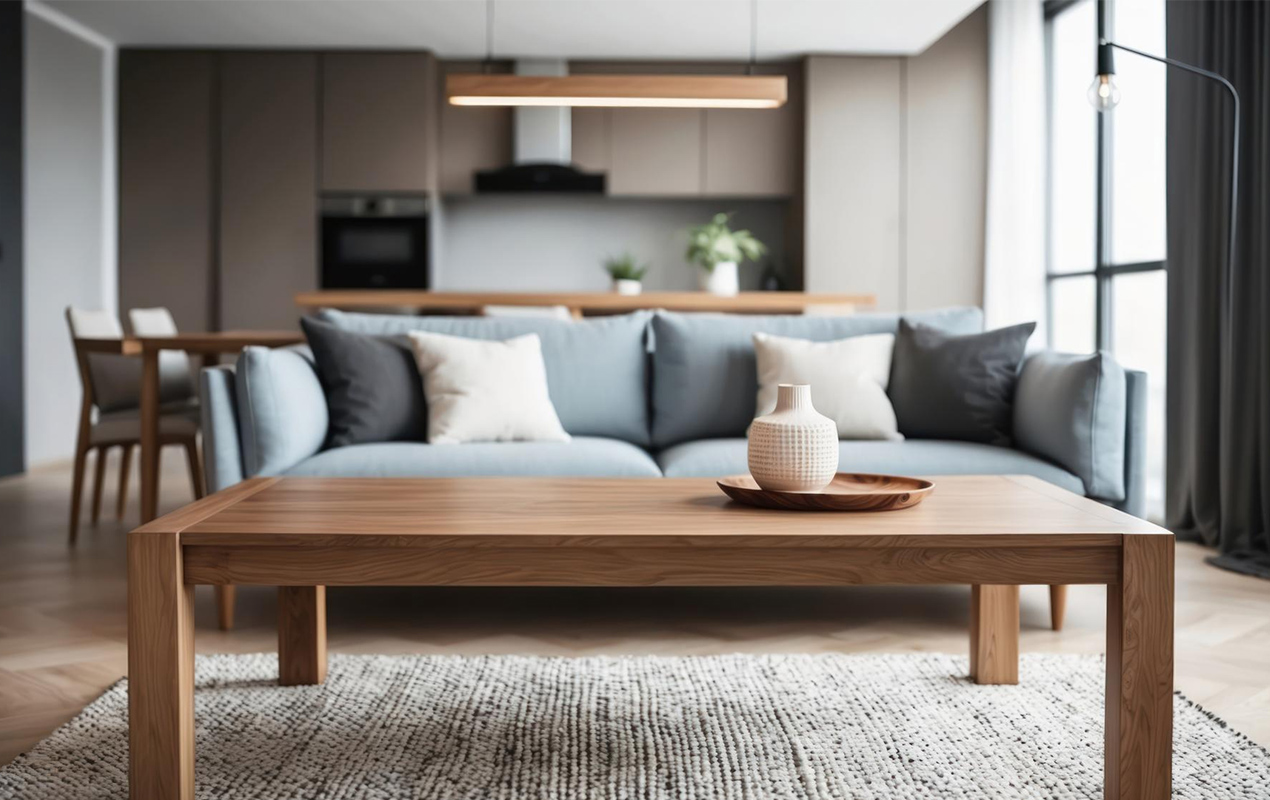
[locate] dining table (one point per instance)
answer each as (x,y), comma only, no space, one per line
(211,345)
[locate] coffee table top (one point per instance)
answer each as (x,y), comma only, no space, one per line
(983,511)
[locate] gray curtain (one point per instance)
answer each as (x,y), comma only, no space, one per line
(1218,420)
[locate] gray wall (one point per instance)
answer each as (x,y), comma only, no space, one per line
(67,258)
(544,243)
(12,454)
(896,154)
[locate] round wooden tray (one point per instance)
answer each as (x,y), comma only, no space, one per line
(848,491)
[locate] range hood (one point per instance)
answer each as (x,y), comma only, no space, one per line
(542,144)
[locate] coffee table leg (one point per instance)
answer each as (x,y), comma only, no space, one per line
(994,634)
(1139,730)
(160,670)
(301,635)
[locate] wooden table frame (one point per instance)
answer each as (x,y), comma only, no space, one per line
(305,534)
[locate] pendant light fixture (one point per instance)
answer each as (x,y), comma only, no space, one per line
(618,91)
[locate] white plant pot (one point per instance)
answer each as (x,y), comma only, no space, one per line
(794,448)
(627,287)
(722,280)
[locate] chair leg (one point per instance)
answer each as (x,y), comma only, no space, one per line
(225,596)
(196,468)
(99,474)
(1058,606)
(125,467)
(77,489)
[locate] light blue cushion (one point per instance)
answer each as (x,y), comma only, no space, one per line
(715,458)
(704,374)
(583,457)
(1071,410)
(281,409)
(222,452)
(597,369)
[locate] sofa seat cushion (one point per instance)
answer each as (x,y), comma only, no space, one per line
(715,458)
(585,456)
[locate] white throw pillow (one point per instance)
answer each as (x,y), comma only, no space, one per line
(848,380)
(482,391)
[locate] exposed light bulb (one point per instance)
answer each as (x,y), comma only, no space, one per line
(1103,93)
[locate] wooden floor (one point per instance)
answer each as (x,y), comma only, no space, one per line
(62,618)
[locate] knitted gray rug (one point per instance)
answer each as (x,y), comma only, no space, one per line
(807,726)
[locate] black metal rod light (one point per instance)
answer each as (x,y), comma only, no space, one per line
(1104,95)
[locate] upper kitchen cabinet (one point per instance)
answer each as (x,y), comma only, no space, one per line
(379,122)
(590,138)
(268,186)
(655,151)
(166,108)
(756,153)
(472,138)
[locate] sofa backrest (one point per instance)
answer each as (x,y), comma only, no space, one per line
(597,369)
(705,377)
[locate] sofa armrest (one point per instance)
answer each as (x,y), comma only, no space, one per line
(218,404)
(1135,444)
(1072,410)
(282,413)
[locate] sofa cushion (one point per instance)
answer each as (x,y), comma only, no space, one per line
(1071,410)
(583,457)
(597,369)
(373,389)
(704,372)
(715,458)
(281,408)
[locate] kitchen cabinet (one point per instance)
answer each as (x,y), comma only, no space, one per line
(756,152)
(268,186)
(165,183)
(655,151)
(590,137)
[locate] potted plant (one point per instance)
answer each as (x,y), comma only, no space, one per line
(716,250)
(626,273)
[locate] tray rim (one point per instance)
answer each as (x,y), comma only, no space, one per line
(926,486)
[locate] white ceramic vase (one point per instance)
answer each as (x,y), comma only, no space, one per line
(722,280)
(625,286)
(794,448)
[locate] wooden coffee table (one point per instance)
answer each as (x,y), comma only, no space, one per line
(303,534)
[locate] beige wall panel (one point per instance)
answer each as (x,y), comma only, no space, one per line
(472,139)
(590,136)
(379,117)
(166,183)
(268,187)
(853,148)
(947,168)
(655,151)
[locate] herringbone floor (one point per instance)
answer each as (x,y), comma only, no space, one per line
(63,626)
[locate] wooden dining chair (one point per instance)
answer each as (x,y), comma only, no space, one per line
(110,414)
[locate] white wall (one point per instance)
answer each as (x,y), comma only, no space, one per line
(896,158)
(69,226)
(543,243)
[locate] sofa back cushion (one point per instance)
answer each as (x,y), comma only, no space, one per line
(705,376)
(282,414)
(597,369)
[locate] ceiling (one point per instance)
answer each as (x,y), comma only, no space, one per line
(576,29)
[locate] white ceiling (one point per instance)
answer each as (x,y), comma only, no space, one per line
(577,29)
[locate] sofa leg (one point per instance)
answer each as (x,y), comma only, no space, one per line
(1058,606)
(225,596)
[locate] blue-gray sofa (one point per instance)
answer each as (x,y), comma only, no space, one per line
(644,395)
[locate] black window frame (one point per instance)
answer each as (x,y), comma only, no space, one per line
(1105,269)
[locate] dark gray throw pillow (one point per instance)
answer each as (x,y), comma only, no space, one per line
(372,385)
(956,387)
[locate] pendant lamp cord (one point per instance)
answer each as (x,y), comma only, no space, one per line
(753,36)
(488,65)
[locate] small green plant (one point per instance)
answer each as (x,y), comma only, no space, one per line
(715,243)
(625,268)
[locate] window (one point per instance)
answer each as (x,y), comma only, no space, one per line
(1105,230)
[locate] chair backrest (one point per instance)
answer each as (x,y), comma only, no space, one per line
(175,381)
(114,381)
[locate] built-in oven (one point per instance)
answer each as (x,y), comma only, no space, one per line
(374,242)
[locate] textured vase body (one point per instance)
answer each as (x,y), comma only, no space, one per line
(722,280)
(794,448)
